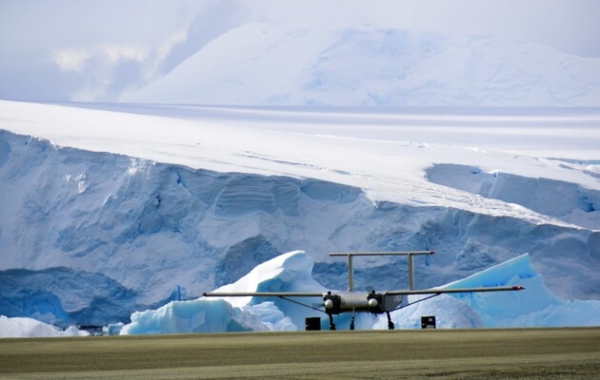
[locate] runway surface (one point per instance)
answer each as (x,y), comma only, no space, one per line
(572,353)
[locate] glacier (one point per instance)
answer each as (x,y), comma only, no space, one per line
(110,210)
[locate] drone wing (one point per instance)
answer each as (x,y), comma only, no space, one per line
(453,290)
(262,294)
(388,292)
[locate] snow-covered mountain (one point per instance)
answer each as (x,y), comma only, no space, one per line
(121,208)
(264,64)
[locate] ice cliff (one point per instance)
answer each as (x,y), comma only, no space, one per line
(88,238)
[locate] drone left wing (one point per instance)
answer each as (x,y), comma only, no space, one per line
(262,294)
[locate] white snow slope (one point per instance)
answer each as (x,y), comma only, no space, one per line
(121,208)
(335,65)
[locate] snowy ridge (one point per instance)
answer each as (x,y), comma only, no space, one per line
(564,200)
(368,65)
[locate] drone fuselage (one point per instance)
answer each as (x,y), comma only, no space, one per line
(348,302)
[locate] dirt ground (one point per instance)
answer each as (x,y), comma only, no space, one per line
(572,353)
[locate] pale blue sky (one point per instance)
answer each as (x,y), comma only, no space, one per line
(44,44)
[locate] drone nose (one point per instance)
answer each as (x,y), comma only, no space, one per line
(373,302)
(328,304)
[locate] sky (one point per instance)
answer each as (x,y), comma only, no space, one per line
(94,51)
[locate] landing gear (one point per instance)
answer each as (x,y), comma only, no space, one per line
(390,323)
(352,321)
(331,324)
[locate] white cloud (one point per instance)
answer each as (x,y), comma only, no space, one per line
(152,68)
(75,59)
(116,53)
(71,59)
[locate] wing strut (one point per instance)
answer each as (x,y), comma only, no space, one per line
(410,255)
(401,306)
(302,304)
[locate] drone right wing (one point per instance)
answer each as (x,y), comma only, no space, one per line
(454,290)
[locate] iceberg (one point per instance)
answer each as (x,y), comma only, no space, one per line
(20,327)
(533,307)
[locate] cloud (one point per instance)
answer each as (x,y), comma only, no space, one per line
(118,53)
(71,59)
(110,44)
(105,71)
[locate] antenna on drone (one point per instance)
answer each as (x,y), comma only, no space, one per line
(410,255)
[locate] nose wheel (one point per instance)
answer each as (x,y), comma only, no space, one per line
(331,324)
(390,323)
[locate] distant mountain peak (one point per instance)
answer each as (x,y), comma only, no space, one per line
(263,64)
